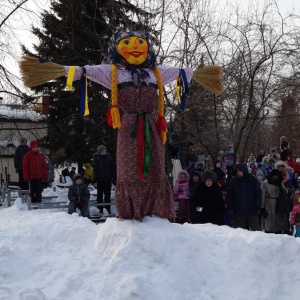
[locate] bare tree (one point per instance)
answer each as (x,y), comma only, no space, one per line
(259,49)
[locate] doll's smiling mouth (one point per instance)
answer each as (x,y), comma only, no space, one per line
(136,54)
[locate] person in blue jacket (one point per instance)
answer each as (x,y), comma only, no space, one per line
(79,196)
(244,198)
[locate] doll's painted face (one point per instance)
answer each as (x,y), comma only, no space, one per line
(133,49)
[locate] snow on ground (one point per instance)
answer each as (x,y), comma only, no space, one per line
(47,255)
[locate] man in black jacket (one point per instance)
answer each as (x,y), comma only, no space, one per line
(104,175)
(244,198)
(18,161)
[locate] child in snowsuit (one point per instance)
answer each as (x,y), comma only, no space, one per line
(295,218)
(79,196)
(181,192)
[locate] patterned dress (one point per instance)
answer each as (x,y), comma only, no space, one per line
(134,198)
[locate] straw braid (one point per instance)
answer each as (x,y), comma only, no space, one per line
(161,106)
(114,111)
(161,123)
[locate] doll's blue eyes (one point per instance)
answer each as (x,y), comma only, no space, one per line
(127,42)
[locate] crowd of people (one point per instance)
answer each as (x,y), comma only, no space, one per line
(35,173)
(262,193)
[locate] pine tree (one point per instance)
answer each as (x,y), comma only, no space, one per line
(76,32)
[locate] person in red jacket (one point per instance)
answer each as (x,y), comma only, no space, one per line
(35,171)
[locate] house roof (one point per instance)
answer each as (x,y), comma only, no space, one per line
(19,112)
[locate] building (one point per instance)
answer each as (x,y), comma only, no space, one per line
(16,122)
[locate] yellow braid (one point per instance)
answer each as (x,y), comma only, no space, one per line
(115,114)
(114,85)
(160,108)
(161,105)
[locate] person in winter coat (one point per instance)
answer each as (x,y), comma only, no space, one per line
(220,173)
(18,161)
(35,171)
(191,159)
(284,148)
(260,157)
(273,212)
(104,175)
(295,218)
(296,193)
(88,174)
(229,156)
(267,165)
(72,172)
(252,168)
(208,199)
(194,182)
(79,196)
(181,192)
(222,158)
(244,199)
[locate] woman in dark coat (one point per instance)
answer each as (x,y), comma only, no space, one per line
(220,173)
(194,182)
(209,200)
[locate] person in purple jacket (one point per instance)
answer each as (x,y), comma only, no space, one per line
(181,192)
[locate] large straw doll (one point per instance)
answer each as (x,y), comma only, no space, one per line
(131,72)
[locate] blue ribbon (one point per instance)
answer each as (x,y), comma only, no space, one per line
(183,83)
(82,92)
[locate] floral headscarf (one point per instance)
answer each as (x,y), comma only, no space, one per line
(113,56)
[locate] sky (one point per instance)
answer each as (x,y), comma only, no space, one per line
(23,19)
(50,255)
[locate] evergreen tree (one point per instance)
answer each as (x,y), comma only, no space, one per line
(76,32)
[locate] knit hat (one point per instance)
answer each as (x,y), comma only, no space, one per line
(33,144)
(209,175)
(77,176)
(101,148)
(298,160)
(241,167)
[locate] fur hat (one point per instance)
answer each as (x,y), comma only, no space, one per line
(101,148)
(277,173)
(209,175)
(283,138)
(77,176)
(280,163)
(33,144)
(183,173)
(271,160)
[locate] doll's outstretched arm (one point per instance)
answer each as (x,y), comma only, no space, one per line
(210,77)
(36,71)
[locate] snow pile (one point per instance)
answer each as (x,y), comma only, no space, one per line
(53,255)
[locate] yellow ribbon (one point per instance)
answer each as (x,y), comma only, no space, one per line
(177,90)
(86,106)
(70,77)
